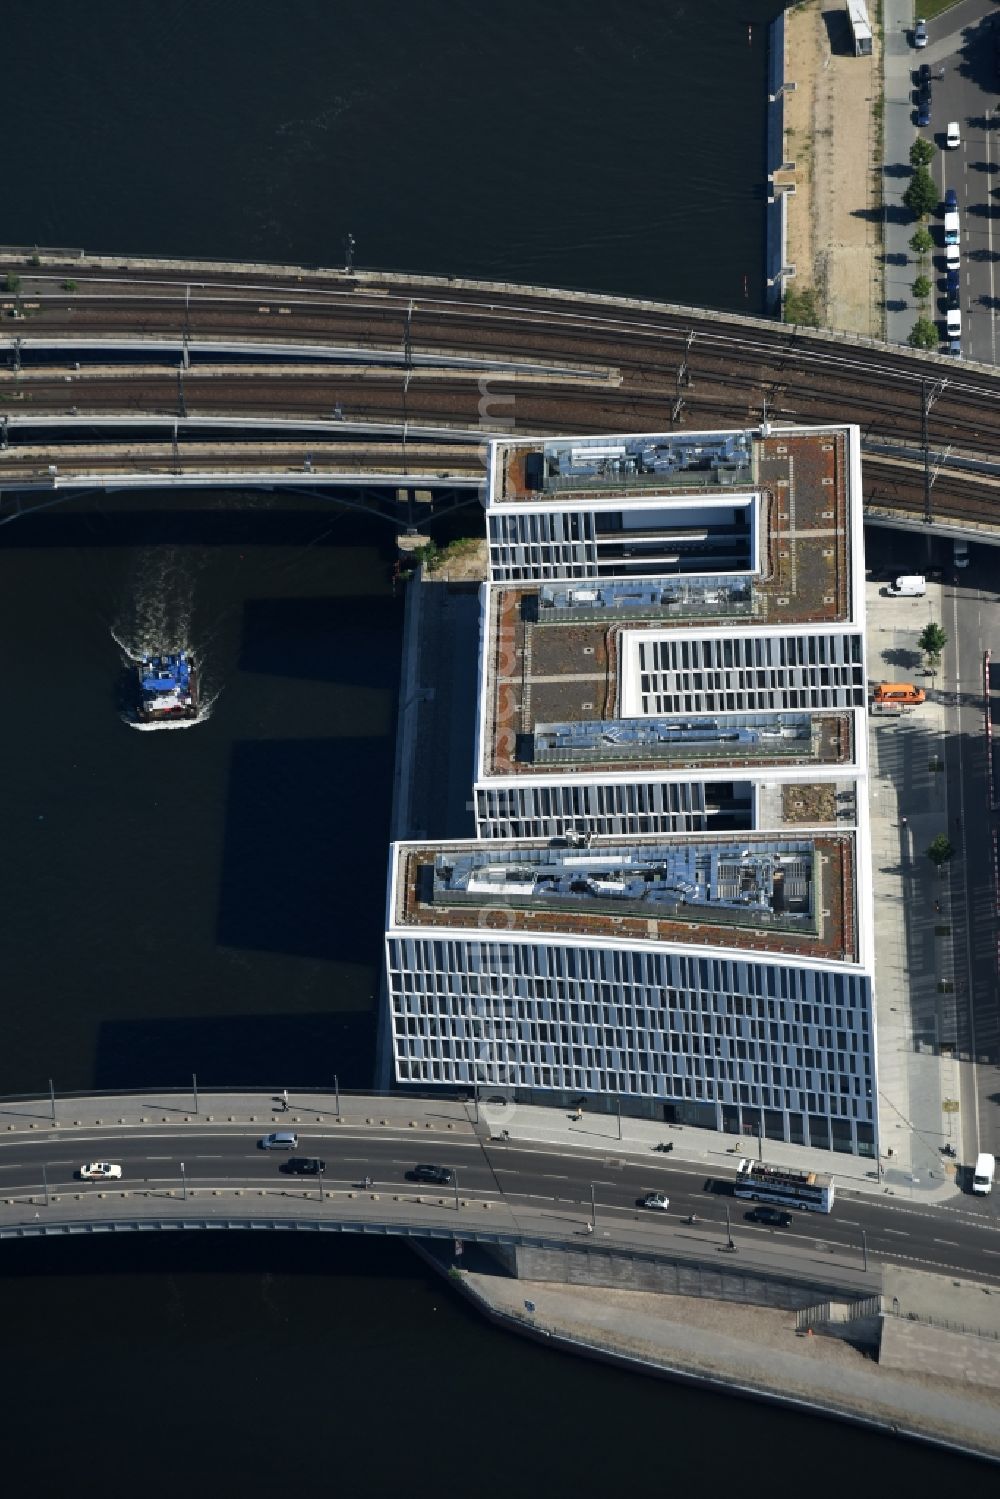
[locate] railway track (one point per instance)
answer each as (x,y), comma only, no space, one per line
(422,352)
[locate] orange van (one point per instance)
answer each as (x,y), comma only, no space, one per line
(899,692)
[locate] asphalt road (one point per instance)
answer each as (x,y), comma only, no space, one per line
(964,1239)
(961,47)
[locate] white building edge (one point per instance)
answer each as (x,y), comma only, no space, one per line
(700,578)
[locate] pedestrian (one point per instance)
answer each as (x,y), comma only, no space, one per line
(902,822)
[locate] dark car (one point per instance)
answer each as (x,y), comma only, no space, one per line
(773,1217)
(440,1175)
(303,1165)
(952,281)
(950,200)
(924,111)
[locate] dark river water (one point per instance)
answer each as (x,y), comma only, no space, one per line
(212,900)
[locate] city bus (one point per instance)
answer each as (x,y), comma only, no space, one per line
(795,1189)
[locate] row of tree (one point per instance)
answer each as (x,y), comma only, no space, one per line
(921,198)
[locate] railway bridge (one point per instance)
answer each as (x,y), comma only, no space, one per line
(379,388)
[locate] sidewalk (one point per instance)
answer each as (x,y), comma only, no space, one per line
(898,135)
(751,1350)
(596,1134)
(915,1023)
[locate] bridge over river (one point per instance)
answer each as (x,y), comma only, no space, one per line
(379,388)
(525,1182)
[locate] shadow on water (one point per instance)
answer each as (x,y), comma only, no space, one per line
(105,523)
(305,848)
(236,1051)
(353,641)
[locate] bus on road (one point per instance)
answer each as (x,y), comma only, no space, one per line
(795,1189)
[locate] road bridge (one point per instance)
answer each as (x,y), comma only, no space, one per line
(193,1160)
(132,372)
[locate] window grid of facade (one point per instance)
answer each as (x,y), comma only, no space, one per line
(750,673)
(532,811)
(554,544)
(676,1027)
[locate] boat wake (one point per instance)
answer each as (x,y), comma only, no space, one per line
(161,676)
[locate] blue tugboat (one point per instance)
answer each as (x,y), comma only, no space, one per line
(168,688)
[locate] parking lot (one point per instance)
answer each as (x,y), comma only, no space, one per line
(961,59)
(968,93)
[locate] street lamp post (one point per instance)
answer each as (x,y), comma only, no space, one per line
(619,1101)
(729,1231)
(336,1089)
(593,1208)
(321,1182)
(456,1191)
(184,1182)
(52,1100)
(45,1183)
(864,1250)
(194,1089)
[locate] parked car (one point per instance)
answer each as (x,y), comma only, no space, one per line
(960,552)
(924,111)
(953,135)
(952,281)
(279,1139)
(100,1171)
(658,1201)
(953,257)
(773,1217)
(920,34)
(303,1165)
(440,1175)
(950,200)
(953,322)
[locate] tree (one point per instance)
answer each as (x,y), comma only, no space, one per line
(922,152)
(923,334)
(932,642)
(921,197)
(12,282)
(921,241)
(921,288)
(940,851)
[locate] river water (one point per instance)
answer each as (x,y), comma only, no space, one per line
(211,900)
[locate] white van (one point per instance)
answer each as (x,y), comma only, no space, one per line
(952,227)
(953,322)
(953,135)
(982,1176)
(909,586)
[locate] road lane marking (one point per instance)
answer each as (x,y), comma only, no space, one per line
(948,1243)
